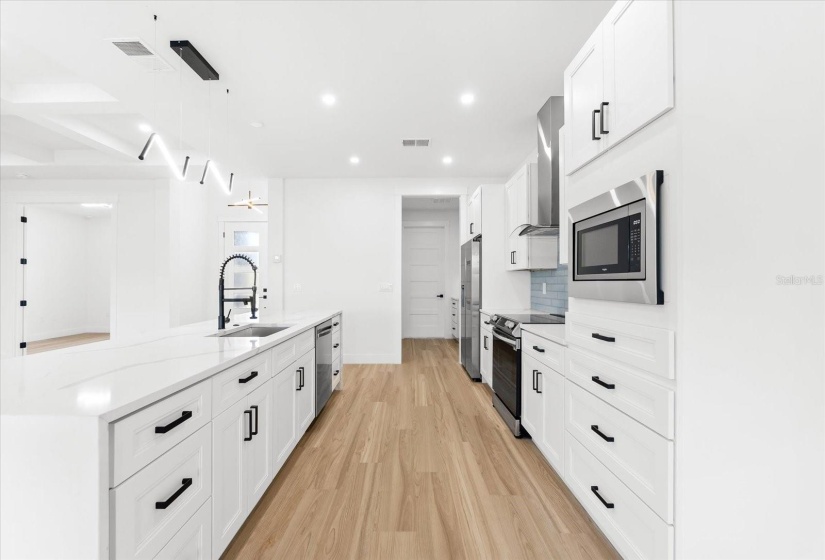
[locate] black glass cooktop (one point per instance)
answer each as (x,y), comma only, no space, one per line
(536,318)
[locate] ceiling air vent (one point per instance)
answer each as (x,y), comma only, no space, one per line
(415,142)
(142,53)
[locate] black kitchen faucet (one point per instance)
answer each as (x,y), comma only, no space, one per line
(222,299)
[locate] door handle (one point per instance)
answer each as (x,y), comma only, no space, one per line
(298,371)
(601,118)
(184,416)
(537,349)
(534,379)
(185,483)
(595,490)
(337,371)
(249,412)
(301,371)
(485,342)
(471,228)
(593,125)
(603,337)
(598,381)
(607,438)
(440,296)
(255,431)
(249,378)
(336,345)
(537,382)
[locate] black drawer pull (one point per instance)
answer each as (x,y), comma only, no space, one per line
(184,416)
(537,349)
(595,490)
(250,426)
(249,378)
(335,324)
(603,337)
(186,483)
(486,322)
(596,379)
(595,428)
(255,431)
(593,125)
(602,130)
(336,345)
(300,372)
(537,382)
(337,371)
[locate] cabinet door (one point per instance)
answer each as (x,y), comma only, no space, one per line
(532,405)
(284,393)
(519,257)
(638,65)
(474,214)
(551,385)
(229,506)
(583,94)
(564,226)
(259,455)
(305,399)
(487,356)
(517,199)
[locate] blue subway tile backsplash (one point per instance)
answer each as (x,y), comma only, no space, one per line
(555,300)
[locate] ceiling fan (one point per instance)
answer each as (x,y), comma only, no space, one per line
(250,203)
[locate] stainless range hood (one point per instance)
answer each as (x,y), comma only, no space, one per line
(550,119)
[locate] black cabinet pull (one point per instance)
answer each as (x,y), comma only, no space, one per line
(603,337)
(185,483)
(595,428)
(534,378)
(184,416)
(595,490)
(537,349)
(471,228)
(255,431)
(596,379)
(337,371)
(300,372)
(336,345)
(441,296)
(486,322)
(250,425)
(249,378)
(601,118)
(485,342)
(593,125)
(335,324)
(537,382)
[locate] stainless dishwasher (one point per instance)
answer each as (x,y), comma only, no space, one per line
(323,365)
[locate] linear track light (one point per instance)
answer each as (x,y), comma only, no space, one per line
(231,177)
(205,170)
(148,145)
(185,167)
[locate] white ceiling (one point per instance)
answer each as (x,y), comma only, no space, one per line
(396,68)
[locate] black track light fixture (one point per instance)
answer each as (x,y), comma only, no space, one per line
(185,167)
(231,176)
(205,170)
(148,145)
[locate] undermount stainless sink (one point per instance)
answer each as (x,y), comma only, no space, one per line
(255,331)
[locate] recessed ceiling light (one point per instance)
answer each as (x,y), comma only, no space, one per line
(256,124)
(468,99)
(96,205)
(447,160)
(328,99)
(355,160)
(143,127)
(22,176)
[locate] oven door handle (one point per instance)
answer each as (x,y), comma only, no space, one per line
(513,343)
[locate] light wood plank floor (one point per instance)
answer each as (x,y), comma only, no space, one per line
(38,346)
(411,461)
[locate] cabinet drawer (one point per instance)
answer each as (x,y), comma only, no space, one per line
(290,350)
(139,439)
(194,540)
(229,386)
(485,322)
(647,402)
(630,525)
(546,352)
(455,331)
(336,372)
(180,480)
(336,324)
(647,348)
(336,344)
(640,458)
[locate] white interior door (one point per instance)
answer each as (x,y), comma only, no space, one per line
(423,279)
(249,239)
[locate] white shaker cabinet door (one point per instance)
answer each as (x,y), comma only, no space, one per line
(260,461)
(638,65)
(584,93)
(532,405)
(229,482)
(284,392)
(305,400)
(551,385)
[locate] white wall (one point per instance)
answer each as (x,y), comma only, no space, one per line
(68,274)
(342,238)
(452,272)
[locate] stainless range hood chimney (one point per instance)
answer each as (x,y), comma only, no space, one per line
(550,119)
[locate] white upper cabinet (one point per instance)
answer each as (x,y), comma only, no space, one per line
(621,80)
(474,214)
(521,197)
(583,95)
(564,227)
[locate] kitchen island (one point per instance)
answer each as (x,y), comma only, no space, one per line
(129,447)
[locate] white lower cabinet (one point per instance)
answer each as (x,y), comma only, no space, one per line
(542,409)
(284,435)
(633,528)
(243,463)
(305,401)
(194,540)
(486,365)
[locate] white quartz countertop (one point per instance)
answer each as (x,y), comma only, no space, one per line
(115,378)
(553,333)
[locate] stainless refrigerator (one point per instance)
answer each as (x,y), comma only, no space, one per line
(471,308)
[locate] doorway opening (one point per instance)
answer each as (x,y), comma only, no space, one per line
(69,249)
(430,274)
(251,240)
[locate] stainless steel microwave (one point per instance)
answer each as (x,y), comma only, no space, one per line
(614,243)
